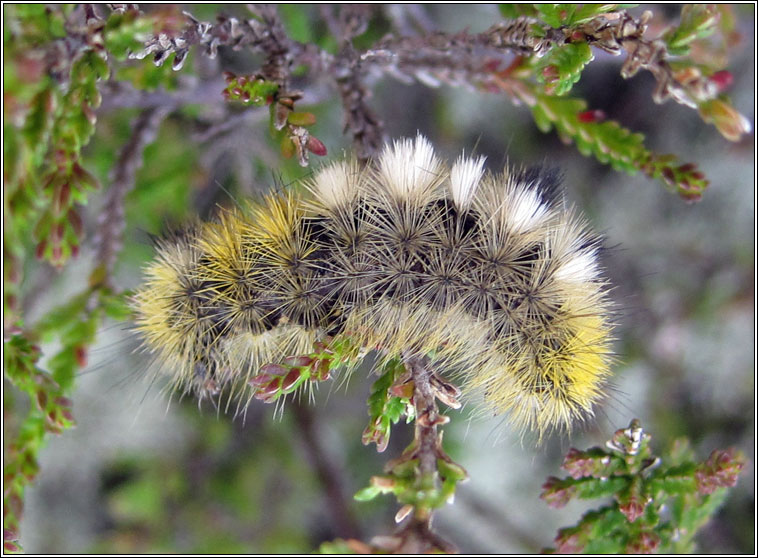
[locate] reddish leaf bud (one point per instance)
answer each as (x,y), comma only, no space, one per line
(291,380)
(315,146)
(9,534)
(632,509)
(62,197)
(550,73)
(41,248)
(61,159)
(647,543)
(668,175)
(287,102)
(274,369)
(268,393)
(556,492)
(76,222)
(324,370)
(578,36)
(259,380)
(63,402)
(297,361)
(569,543)
(722,80)
(583,464)
(382,482)
(59,230)
(720,470)
(403,390)
(81,356)
(588,116)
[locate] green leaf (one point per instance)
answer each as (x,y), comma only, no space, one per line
(586,12)
(366,494)
(301,118)
(251,90)
(642,495)
(697,21)
(394,408)
(562,67)
(607,141)
(116,306)
(512,11)
(589,488)
(556,15)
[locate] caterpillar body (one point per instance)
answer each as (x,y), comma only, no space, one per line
(489,276)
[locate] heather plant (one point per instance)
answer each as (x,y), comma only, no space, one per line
(113,113)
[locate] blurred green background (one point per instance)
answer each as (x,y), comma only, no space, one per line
(141,473)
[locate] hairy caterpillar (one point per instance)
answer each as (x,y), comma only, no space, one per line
(489,275)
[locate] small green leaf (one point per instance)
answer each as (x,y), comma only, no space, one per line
(512,11)
(697,21)
(301,118)
(586,12)
(562,67)
(556,15)
(366,494)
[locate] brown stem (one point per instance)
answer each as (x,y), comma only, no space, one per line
(119,95)
(277,46)
(426,417)
(416,536)
(110,223)
(360,120)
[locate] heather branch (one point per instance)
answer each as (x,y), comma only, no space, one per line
(122,95)
(427,419)
(547,44)
(360,121)
(462,58)
(229,31)
(424,477)
(619,30)
(263,33)
(277,46)
(328,472)
(110,222)
(642,486)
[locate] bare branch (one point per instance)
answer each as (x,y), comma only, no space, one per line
(328,472)
(110,222)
